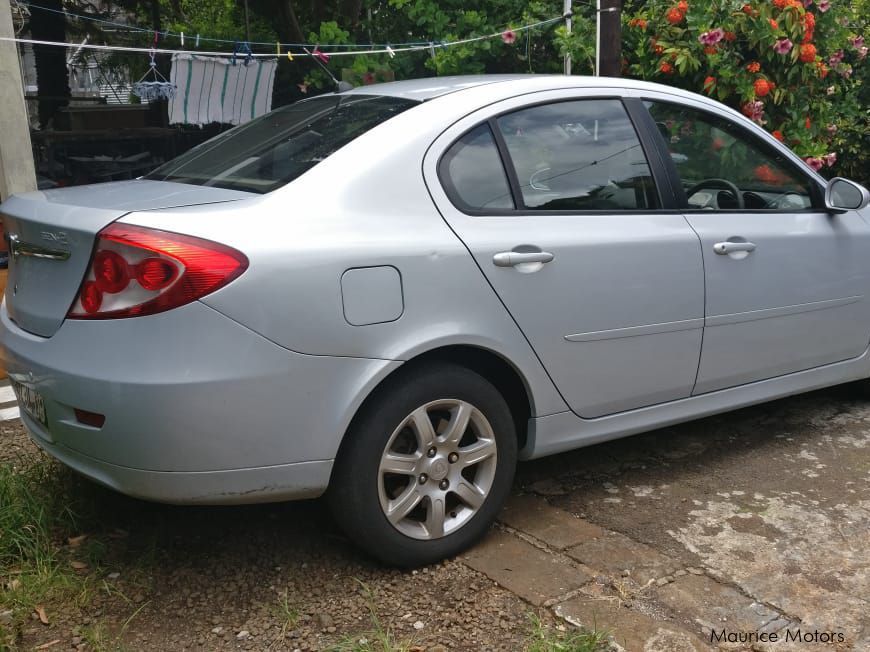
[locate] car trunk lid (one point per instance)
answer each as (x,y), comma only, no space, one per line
(51,237)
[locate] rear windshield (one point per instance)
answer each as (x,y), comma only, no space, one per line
(272,150)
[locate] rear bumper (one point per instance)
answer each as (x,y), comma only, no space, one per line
(198,408)
(230,487)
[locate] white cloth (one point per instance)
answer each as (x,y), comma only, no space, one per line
(214,90)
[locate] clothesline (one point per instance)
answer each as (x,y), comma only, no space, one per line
(375,48)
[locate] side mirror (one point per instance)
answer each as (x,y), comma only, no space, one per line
(842,195)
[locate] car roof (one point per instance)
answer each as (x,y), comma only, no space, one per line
(431,87)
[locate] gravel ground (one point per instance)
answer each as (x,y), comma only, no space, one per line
(256,578)
(774,499)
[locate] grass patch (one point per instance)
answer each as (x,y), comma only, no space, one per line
(286,614)
(39,509)
(544,638)
(380,638)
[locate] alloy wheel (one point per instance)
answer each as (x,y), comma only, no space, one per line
(437,469)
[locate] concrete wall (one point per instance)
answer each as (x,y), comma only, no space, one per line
(17,172)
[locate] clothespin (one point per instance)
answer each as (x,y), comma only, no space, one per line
(390,52)
(289,55)
(197,41)
(322,56)
(182,39)
(278,49)
(153,53)
(242,48)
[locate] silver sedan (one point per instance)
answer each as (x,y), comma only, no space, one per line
(391,295)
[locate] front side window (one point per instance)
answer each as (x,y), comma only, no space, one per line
(578,155)
(276,148)
(723,166)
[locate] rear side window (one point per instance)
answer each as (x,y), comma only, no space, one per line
(272,150)
(473,173)
(577,156)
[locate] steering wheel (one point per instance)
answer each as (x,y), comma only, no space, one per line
(780,203)
(718,183)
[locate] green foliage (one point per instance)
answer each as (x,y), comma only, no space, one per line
(537,50)
(796,70)
(219,19)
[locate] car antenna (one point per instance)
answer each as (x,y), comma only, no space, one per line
(340,86)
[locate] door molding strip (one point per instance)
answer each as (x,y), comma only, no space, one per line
(784,311)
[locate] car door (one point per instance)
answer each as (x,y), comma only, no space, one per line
(555,199)
(785,280)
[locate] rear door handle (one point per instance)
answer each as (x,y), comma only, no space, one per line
(725,248)
(513,258)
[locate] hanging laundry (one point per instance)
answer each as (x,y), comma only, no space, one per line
(214,90)
(152,85)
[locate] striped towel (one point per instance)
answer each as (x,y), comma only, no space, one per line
(215,90)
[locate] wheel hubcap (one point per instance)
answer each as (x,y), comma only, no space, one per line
(437,469)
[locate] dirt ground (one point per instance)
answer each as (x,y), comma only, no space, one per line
(770,504)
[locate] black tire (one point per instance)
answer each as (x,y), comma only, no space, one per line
(357,485)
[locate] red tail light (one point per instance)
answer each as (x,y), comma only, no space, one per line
(138,271)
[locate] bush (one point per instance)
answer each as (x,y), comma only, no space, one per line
(796,67)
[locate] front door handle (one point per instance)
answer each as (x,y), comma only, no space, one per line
(725,248)
(513,258)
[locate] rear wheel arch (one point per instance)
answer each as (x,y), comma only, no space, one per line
(495,368)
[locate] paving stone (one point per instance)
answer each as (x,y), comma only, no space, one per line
(555,527)
(716,606)
(630,630)
(615,553)
(531,573)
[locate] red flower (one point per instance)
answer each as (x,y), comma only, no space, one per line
(666,68)
(683,6)
(778,135)
(674,16)
(709,84)
(710,49)
(764,173)
(509,37)
(808,124)
(762,87)
(808,53)
(809,22)
(823,70)
(637,22)
(753,66)
(730,37)
(773,23)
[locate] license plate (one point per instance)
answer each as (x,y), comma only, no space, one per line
(30,401)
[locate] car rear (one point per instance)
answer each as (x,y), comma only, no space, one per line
(124,374)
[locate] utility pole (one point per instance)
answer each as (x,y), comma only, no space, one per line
(608,51)
(17,173)
(566,12)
